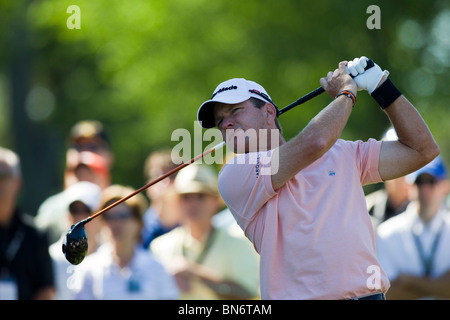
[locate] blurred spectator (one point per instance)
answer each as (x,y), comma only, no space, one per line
(83,199)
(156,220)
(393,198)
(207,262)
(121,268)
(414,247)
(87,135)
(52,214)
(93,168)
(88,158)
(25,266)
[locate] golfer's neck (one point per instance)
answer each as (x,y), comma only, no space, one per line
(272,143)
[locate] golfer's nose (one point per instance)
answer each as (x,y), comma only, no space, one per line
(227,123)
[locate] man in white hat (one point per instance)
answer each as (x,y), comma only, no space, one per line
(301,201)
(207,262)
(26,271)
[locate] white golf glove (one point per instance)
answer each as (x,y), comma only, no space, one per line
(365,79)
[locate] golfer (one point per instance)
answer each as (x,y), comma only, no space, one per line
(301,201)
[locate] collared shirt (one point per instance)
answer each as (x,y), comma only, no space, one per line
(99,277)
(314,234)
(398,252)
(230,256)
(64,271)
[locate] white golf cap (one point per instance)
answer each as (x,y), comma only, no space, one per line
(87,192)
(232,91)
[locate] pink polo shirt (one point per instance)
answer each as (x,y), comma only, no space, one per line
(314,234)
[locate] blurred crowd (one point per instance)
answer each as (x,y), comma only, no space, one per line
(175,241)
(411,217)
(178,240)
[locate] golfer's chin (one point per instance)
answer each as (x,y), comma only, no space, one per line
(240,146)
(241,141)
(241,150)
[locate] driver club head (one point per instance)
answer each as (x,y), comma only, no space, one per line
(75,243)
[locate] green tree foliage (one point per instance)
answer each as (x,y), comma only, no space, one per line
(143,67)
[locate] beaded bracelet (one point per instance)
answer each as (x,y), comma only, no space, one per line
(348,94)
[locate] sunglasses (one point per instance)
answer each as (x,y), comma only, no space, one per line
(93,147)
(80,211)
(120,216)
(426,180)
(193,196)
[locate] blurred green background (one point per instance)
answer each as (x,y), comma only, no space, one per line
(143,67)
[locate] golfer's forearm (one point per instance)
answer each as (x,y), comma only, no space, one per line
(411,129)
(415,147)
(327,126)
(313,141)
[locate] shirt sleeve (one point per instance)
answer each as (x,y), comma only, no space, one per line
(245,185)
(367,158)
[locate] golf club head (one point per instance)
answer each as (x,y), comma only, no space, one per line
(75,243)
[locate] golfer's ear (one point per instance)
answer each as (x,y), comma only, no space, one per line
(271,112)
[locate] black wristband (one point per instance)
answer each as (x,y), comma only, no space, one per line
(386,94)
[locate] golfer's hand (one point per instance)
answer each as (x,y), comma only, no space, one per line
(338,80)
(366,79)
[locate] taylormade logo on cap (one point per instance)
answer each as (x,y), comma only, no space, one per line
(224,89)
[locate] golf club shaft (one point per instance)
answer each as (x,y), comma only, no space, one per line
(303,99)
(148,185)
